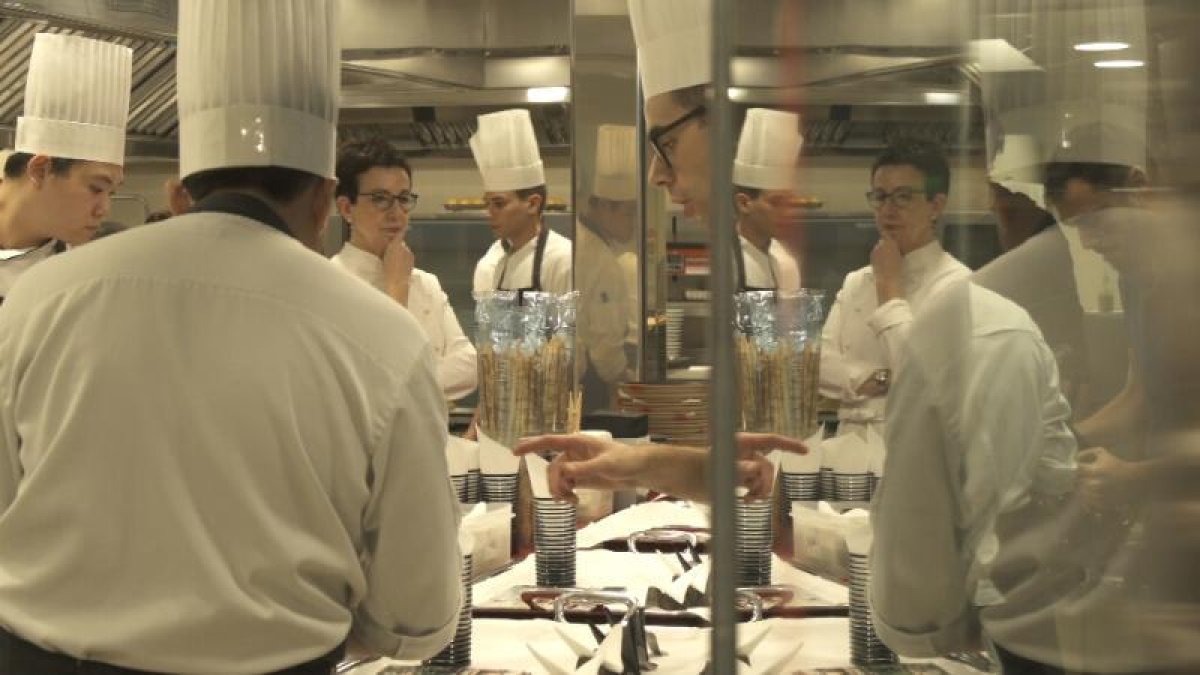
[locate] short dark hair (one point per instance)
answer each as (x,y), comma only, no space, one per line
(15,165)
(752,193)
(358,157)
(1101,175)
(279,183)
(691,97)
(924,156)
(526,193)
(158,216)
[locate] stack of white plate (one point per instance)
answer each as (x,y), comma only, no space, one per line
(674,332)
(866,649)
(677,411)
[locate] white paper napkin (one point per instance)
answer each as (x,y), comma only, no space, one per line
(494,458)
(458,454)
(791,462)
(539,481)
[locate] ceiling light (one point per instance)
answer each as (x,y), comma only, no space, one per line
(737,94)
(1120,63)
(1101,46)
(943,97)
(547,94)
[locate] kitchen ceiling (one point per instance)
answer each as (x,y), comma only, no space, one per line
(460,57)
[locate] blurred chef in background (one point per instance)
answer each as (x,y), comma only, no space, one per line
(1036,268)
(607,240)
(764,177)
(527,255)
(243,469)
(374,198)
(69,152)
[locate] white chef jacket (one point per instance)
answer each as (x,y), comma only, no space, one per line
(14,263)
(427,302)
(608,306)
(219,454)
(981,463)
(775,268)
(514,270)
(861,336)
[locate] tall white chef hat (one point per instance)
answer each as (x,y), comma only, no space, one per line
(76,99)
(674,43)
(616,163)
(1015,167)
(258,84)
(768,150)
(506,151)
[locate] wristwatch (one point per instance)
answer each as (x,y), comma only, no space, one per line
(882,377)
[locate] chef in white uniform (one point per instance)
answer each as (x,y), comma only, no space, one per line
(527,255)
(374,198)
(865,332)
(607,239)
(218,452)
(764,176)
(69,151)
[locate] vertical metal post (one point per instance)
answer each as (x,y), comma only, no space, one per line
(724,412)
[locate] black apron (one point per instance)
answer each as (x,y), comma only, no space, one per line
(739,260)
(539,252)
(240,204)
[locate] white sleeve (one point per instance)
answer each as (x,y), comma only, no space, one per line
(840,374)
(892,322)
(920,602)
(457,372)
(10,444)
(410,530)
(949,470)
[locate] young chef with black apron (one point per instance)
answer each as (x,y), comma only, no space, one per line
(764,175)
(69,150)
(527,255)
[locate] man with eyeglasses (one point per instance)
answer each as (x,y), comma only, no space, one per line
(374,198)
(868,326)
(527,255)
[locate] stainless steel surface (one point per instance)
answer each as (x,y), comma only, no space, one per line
(578,598)
(722,469)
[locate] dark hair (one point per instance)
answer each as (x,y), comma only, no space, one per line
(279,183)
(691,97)
(1104,176)
(358,157)
(15,165)
(526,193)
(752,193)
(924,156)
(156,216)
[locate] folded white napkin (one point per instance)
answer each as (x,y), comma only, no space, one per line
(790,462)
(539,480)
(494,458)
(458,454)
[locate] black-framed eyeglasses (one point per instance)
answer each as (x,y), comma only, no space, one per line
(384,200)
(665,149)
(901,197)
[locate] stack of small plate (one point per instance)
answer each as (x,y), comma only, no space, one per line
(677,411)
(754,541)
(458,653)
(554,542)
(866,649)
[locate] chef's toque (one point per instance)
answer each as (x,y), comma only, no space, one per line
(76,99)
(674,43)
(506,151)
(768,150)
(258,84)
(616,163)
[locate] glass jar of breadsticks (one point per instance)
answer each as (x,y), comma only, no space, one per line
(779,352)
(526,345)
